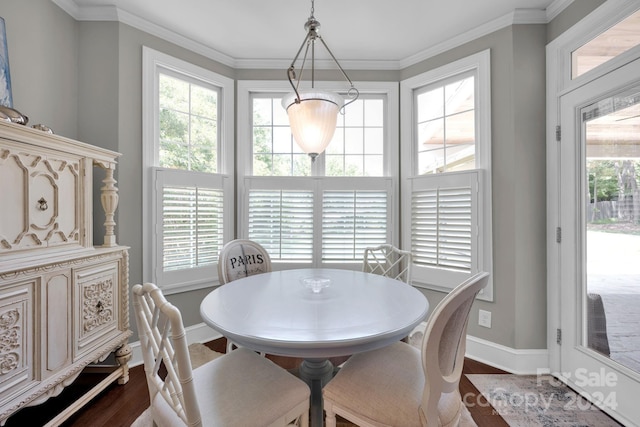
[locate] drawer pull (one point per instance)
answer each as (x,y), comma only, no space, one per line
(42,204)
(100,307)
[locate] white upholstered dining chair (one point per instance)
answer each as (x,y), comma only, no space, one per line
(389,261)
(237,389)
(241,258)
(399,385)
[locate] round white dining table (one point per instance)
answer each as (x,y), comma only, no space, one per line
(280,313)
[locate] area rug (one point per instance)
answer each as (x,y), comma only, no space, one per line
(531,400)
(199,355)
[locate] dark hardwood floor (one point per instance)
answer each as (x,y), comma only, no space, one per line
(120,405)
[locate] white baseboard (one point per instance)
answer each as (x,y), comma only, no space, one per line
(520,362)
(515,361)
(196,333)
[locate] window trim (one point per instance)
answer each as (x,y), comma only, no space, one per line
(480,62)
(152,62)
(391,150)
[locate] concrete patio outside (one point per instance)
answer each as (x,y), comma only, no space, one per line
(614,273)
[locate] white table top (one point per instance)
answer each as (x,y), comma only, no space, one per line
(275,313)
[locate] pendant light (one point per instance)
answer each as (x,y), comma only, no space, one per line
(313,113)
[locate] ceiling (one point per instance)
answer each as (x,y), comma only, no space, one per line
(375,34)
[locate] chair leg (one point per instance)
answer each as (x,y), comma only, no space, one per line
(304,420)
(330,417)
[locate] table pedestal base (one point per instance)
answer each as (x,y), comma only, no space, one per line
(316,373)
(316,369)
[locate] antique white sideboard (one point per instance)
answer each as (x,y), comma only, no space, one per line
(63,301)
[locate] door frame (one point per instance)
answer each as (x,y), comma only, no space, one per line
(559,83)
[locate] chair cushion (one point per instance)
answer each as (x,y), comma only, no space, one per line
(164,415)
(385,388)
(382,386)
(243,389)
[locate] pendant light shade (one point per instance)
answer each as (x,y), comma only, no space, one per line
(313,114)
(313,119)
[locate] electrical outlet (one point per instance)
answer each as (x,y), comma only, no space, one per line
(484,318)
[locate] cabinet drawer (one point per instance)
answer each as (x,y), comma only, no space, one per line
(97,306)
(16,337)
(42,196)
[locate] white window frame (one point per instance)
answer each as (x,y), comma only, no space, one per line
(434,278)
(559,55)
(152,63)
(391,169)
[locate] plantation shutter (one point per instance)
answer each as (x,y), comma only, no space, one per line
(189,223)
(191,226)
(351,221)
(444,225)
(282,222)
(304,221)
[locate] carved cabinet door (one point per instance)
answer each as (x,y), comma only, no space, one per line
(16,336)
(42,194)
(97,306)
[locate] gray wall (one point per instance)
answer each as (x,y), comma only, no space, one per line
(518,183)
(43,56)
(84,79)
(112,117)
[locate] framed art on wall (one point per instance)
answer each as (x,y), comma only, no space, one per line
(6,98)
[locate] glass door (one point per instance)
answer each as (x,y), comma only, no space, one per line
(612,227)
(600,245)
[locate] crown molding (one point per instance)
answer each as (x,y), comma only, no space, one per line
(320,64)
(112,13)
(175,38)
(556,8)
(519,16)
(88,13)
(68,6)
(526,16)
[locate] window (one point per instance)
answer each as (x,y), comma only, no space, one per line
(322,213)
(188,128)
(609,44)
(446,125)
(357,148)
(446,184)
